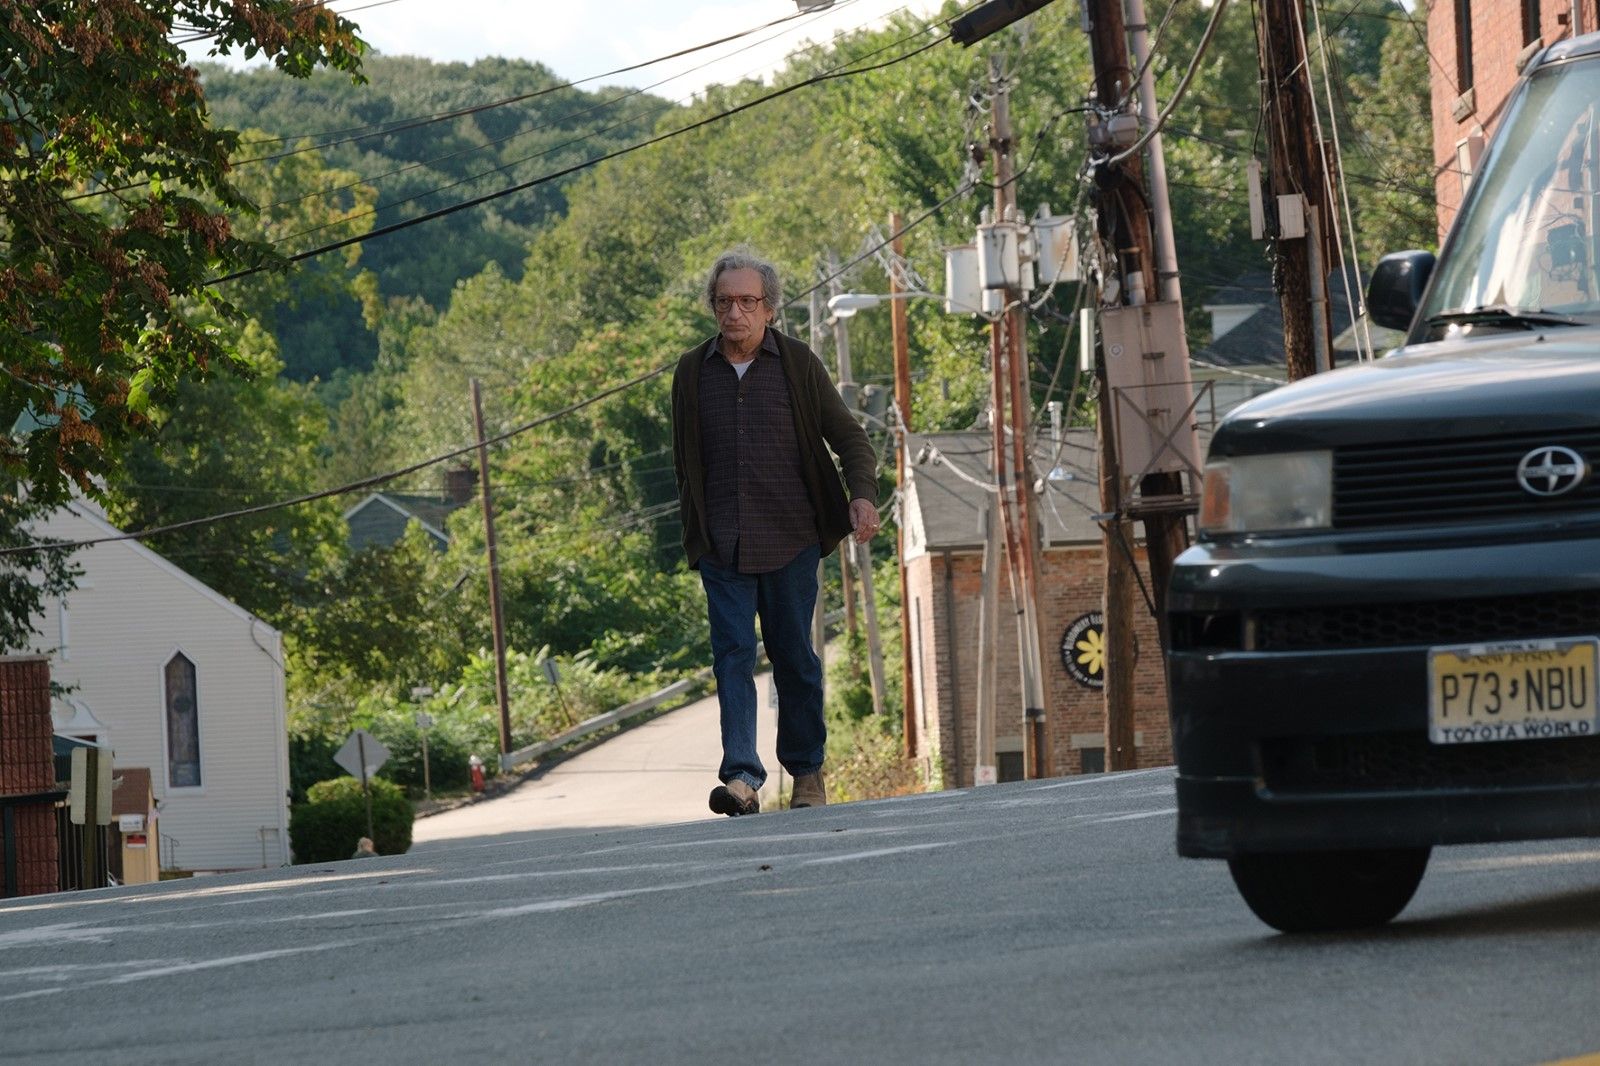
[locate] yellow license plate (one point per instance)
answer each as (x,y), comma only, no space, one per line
(1524,690)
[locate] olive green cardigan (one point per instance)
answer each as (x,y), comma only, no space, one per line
(820,418)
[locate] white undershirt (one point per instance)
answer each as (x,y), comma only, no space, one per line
(740,368)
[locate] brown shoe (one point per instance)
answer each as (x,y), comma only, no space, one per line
(809,791)
(735,798)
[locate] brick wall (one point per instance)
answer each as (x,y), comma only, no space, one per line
(947,668)
(27,765)
(1497,41)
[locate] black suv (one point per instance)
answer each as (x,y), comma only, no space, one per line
(1388,634)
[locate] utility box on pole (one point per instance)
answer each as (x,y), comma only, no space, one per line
(1147,369)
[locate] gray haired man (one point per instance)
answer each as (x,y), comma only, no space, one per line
(754,415)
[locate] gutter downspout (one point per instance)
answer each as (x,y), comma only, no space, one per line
(955,677)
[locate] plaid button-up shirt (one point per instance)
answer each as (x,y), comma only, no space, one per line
(757,508)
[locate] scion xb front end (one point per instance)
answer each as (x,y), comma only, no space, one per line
(1388,635)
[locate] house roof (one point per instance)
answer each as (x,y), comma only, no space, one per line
(949,470)
(1258,340)
(380,520)
(1250,288)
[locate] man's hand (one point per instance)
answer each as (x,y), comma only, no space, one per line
(863,519)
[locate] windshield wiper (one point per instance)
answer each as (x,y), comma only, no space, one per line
(1511,317)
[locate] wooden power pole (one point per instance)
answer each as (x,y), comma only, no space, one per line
(496,614)
(902,404)
(1009,351)
(1134,242)
(1296,181)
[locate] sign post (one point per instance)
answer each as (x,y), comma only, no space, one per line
(424,722)
(361,757)
(89,805)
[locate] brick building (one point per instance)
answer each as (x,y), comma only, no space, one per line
(1479,48)
(944,562)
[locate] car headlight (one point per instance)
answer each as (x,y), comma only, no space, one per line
(1262,493)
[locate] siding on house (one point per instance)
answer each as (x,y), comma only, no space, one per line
(134,610)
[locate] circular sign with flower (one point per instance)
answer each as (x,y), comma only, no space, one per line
(1083,650)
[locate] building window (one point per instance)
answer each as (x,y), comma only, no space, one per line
(1463,45)
(1530,21)
(1091,760)
(183,724)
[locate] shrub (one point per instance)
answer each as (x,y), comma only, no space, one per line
(334,818)
(449,745)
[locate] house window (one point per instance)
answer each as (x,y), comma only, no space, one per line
(1530,21)
(1091,760)
(183,724)
(1463,45)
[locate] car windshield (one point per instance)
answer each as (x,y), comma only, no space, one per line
(1525,254)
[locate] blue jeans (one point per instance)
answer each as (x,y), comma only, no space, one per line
(784,599)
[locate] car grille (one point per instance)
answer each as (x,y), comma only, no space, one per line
(1407,761)
(1556,614)
(1460,480)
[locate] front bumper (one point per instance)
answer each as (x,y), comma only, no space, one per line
(1325,747)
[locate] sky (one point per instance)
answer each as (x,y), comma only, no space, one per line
(580,38)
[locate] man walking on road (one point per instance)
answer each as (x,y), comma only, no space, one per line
(753,415)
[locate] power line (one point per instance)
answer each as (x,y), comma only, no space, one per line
(444,116)
(477,201)
(353,486)
(393,475)
(590,135)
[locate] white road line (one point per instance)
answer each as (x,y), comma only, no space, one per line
(1130,817)
(177,968)
(1091,779)
(876,853)
(213,964)
(55,934)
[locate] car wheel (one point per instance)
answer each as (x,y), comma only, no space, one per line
(1328,891)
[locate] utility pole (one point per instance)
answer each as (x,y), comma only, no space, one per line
(819,625)
(1296,181)
(1009,366)
(1166,532)
(841,340)
(902,404)
(496,614)
(841,348)
(1133,240)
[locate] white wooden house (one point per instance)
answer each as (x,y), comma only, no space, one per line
(175,677)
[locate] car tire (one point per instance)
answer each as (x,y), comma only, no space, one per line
(1329,891)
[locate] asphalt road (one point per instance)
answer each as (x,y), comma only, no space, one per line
(1037,922)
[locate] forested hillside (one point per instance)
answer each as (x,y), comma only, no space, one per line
(552,295)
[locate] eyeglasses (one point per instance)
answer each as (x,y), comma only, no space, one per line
(747,304)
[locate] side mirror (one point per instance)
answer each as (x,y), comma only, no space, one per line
(1396,288)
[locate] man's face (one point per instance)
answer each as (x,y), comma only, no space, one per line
(738,325)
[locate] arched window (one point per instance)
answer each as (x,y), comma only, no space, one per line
(183,724)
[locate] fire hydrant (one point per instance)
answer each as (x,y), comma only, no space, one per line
(475,769)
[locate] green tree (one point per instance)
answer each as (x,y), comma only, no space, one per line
(1390,148)
(223,444)
(108,176)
